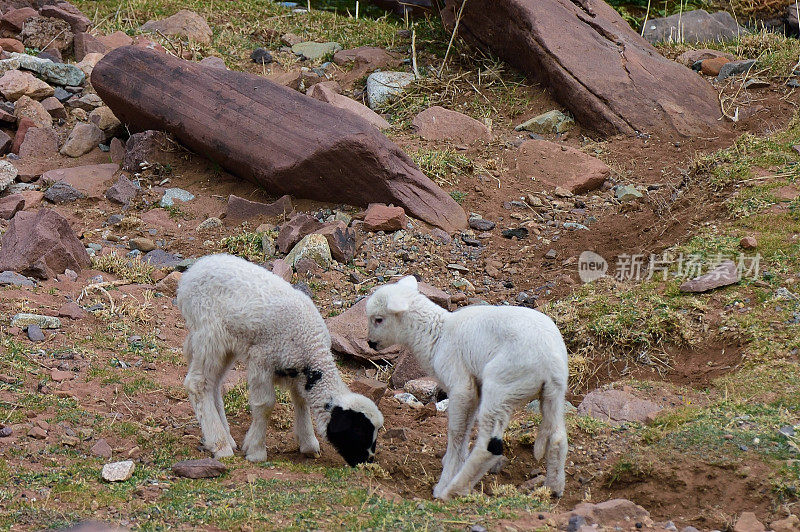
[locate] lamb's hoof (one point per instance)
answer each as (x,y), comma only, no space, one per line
(556,491)
(232,443)
(311,451)
(257,456)
(224,452)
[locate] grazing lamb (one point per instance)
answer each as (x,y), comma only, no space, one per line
(235,310)
(489,360)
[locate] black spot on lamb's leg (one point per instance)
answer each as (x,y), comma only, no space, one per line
(312,376)
(495,446)
(287,372)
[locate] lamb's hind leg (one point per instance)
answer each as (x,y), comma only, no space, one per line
(553,436)
(218,401)
(205,366)
(262,401)
(303,427)
(493,418)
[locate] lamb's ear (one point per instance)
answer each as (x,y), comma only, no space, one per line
(409,281)
(397,303)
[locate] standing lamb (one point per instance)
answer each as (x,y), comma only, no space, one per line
(489,360)
(235,310)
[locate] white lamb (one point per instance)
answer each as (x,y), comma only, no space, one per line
(489,360)
(235,310)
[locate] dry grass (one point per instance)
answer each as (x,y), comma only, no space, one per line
(133,269)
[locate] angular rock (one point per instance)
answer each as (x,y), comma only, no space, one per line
(550,122)
(5,142)
(45,32)
(37,433)
(115,40)
(748,522)
(118,471)
(88,63)
(372,388)
(616,406)
(62,192)
(383,218)
(89,180)
(85,43)
(627,193)
(438,123)
(712,66)
(25,319)
(72,311)
(14,19)
(144,147)
(159,258)
(370,57)
(425,388)
(65,11)
(282,269)
(314,247)
(342,240)
(56,73)
(82,139)
(16,83)
(349,336)
(733,68)
(184,23)
(324,93)
(101,449)
(208,224)
(748,242)
(142,244)
(8,173)
(116,150)
(295,229)
(481,224)
(214,62)
(35,333)
(14,279)
(593,63)
(203,468)
(11,205)
(727,273)
(315,50)
(406,368)
(317,151)
(103,118)
(41,244)
(693,27)
(789,524)
(34,111)
(240,209)
(54,106)
(12,45)
(609,513)
(122,192)
(690,57)
(169,284)
(559,166)
(39,142)
(172,194)
(382,87)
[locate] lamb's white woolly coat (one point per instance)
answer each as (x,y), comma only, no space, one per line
(236,310)
(489,360)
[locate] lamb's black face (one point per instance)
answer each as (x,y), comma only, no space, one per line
(352,435)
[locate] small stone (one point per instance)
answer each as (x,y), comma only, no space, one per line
(122,192)
(37,433)
(261,56)
(62,192)
(399,434)
(101,449)
(35,333)
(712,65)
(5,432)
(26,107)
(562,192)
(172,194)
(104,118)
(83,139)
(214,62)
(59,376)
(14,279)
(725,274)
(184,23)
(748,522)
(748,242)
(383,218)
(551,254)
(169,284)
(142,244)
(73,311)
(627,193)
(371,388)
(203,468)
(118,471)
(24,319)
(314,247)
(481,224)
(208,224)
(315,50)
(550,122)
(733,68)
(519,233)
(384,86)
(424,389)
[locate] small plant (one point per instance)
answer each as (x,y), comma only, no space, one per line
(458,196)
(248,245)
(132,269)
(443,166)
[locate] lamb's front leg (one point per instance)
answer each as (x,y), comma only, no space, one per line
(460,416)
(303,427)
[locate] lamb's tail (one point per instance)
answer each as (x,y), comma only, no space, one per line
(552,407)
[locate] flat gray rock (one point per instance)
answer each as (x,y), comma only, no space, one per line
(725,274)
(692,27)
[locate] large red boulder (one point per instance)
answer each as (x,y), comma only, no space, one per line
(612,79)
(41,244)
(285,141)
